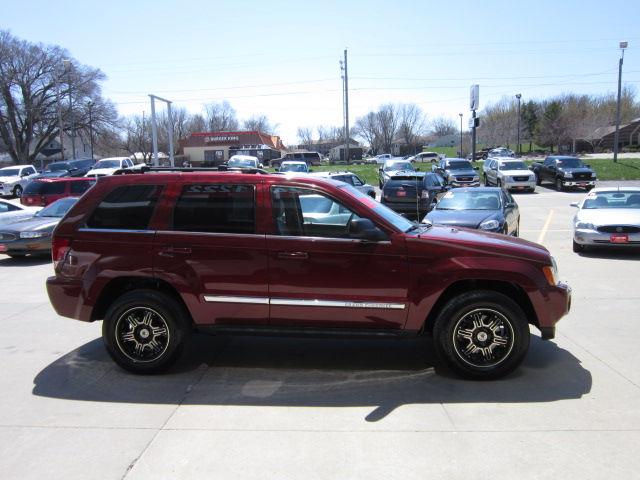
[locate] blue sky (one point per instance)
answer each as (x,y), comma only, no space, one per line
(281,58)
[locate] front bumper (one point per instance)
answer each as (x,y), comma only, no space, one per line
(24,246)
(558,304)
(579,183)
(595,238)
(513,185)
(459,183)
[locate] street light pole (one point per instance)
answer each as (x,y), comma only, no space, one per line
(67,64)
(461,154)
(623,45)
(518,96)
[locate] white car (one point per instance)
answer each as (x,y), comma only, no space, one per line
(383,157)
(107,166)
(350,179)
(13,179)
(12,212)
(244,161)
(607,217)
(294,166)
(423,157)
(508,173)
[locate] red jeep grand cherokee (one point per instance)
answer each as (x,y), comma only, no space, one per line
(159,254)
(44,191)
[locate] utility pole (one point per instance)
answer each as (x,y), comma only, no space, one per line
(616,139)
(67,64)
(154,128)
(474,100)
(518,96)
(461,154)
(345,89)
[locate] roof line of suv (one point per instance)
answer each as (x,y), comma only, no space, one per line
(220,168)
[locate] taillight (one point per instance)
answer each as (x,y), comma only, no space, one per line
(59,249)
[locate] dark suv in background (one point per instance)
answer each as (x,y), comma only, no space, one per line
(74,168)
(157,255)
(413,194)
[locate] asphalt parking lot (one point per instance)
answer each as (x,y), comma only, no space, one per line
(249,408)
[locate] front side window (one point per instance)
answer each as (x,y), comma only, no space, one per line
(216,208)
(303,212)
(356,182)
(126,208)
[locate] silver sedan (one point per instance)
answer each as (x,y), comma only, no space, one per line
(606,217)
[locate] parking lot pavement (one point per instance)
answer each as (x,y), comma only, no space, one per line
(241,407)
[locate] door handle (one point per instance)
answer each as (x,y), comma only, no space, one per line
(293,255)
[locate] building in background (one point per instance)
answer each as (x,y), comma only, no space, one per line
(215,148)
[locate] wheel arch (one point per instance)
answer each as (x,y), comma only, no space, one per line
(511,290)
(121,285)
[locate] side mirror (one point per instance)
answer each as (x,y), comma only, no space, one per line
(510,205)
(574,204)
(364,229)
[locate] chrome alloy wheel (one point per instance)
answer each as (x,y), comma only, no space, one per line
(483,338)
(142,334)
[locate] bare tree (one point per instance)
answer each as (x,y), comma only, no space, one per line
(34,84)
(260,123)
(305,136)
(220,117)
(196,123)
(367,129)
(412,125)
(137,136)
(388,119)
(443,126)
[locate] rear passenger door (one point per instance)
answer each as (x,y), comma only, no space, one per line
(209,248)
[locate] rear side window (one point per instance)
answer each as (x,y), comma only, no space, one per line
(126,208)
(44,188)
(216,208)
(78,188)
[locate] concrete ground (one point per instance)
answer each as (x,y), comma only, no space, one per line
(263,408)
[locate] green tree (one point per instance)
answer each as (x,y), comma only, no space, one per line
(529,116)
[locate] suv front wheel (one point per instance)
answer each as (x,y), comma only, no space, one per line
(144,331)
(481,335)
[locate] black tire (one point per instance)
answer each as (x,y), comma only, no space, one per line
(538,180)
(517,232)
(372,195)
(465,349)
(498,183)
(17,255)
(17,191)
(158,318)
(559,184)
(486,180)
(577,247)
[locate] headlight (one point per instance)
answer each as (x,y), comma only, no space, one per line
(476,178)
(490,225)
(532,178)
(567,174)
(585,226)
(593,174)
(33,234)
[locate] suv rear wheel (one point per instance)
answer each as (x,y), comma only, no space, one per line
(481,335)
(144,331)
(17,191)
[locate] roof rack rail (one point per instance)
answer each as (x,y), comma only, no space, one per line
(219,168)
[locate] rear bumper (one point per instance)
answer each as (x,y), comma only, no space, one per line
(407,208)
(67,299)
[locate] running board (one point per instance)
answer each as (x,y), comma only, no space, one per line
(280,331)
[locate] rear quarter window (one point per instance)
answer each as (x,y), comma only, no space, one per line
(78,188)
(44,188)
(126,208)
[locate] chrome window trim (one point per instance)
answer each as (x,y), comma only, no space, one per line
(114,230)
(209,234)
(330,239)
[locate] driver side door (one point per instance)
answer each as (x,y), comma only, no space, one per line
(320,277)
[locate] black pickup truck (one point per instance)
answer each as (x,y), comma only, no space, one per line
(564,172)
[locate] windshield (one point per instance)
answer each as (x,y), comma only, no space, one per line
(242,162)
(398,221)
(458,200)
(56,167)
(459,165)
(294,167)
(9,172)
(513,166)
(617,199)
(570,163)
(58,209)
(398,166)
(107,164)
